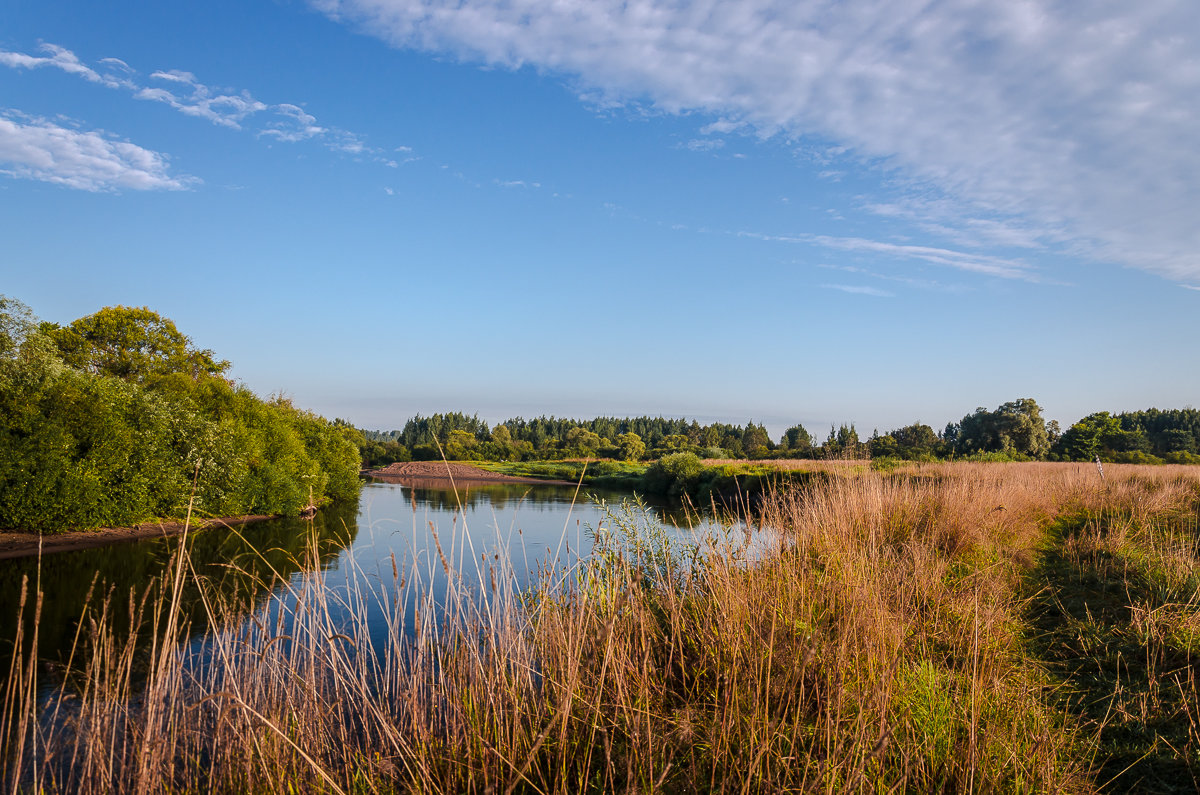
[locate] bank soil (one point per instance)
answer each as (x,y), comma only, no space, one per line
(440,474)
(22,545)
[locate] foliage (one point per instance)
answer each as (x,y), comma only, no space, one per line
(84,447)
(912,442)
(630,446)
(673,474)
(132,344)
(1016,428)
(16,323)
(796,439)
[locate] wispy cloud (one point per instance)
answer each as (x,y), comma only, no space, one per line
(234,109)
(1071,123)
(921,284)
(858,289)
(56,57)
(38,149)
(972,262)
(192,97)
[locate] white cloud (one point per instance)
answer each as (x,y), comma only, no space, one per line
(922,284)
(1071,123)
(33,148)
(227,110)
(987,265)
(859,290)
(183,91)
(297,125)
(56,58)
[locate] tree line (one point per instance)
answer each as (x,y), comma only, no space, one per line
(1013,431)
(118,418)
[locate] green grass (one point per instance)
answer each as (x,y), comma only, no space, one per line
(1116,617)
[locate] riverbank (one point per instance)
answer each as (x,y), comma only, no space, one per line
(25,545)
(442,474)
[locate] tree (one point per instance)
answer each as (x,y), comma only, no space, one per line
(582,442)
(460,445)
(16,323)
(136,345)
(915,440)
(1014,428)
(796,438)
(755,440)
(631,446)
(1099,434)
(501,435)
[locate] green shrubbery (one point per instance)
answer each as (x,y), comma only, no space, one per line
(83,447)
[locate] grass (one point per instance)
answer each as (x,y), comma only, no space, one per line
(945,627)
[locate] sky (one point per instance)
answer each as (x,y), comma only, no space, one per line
(873,211)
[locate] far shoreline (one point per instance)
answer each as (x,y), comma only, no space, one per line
(445,474)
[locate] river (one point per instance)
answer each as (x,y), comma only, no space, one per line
(394,530)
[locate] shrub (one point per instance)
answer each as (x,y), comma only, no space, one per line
(673,474)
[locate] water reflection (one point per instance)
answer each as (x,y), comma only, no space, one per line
(241,565)
(395,531)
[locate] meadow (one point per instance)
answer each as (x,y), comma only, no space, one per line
(965,627)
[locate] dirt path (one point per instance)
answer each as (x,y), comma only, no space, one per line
(442,473)
(23,545)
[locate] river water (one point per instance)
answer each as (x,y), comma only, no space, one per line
(394,529)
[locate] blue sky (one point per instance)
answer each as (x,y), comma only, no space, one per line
(816,212)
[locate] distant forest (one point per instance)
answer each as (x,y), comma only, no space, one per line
(1014,431)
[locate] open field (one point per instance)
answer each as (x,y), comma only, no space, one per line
(948,627)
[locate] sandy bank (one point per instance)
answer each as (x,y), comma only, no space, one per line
(440,474)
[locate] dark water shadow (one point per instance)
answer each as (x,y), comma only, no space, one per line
(239,566)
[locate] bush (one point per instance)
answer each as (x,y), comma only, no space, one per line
(673,474)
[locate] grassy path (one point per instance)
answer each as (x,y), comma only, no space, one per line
(1114,620)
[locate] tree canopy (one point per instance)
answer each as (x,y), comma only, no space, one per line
(133,344)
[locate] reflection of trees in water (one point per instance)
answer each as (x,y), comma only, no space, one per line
(239,564)
(500,497)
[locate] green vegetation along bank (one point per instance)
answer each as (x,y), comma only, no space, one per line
(1013,431)
(118,418)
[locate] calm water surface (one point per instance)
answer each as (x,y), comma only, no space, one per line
(394,530)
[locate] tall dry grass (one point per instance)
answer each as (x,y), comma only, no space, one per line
(878,643)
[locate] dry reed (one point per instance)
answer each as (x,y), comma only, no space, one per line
(879,644)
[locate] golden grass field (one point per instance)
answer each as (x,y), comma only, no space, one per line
(965,627)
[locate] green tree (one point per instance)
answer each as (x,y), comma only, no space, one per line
(582,442)
(797,439)
(501,435)
(631,446)
(1100,434)
(755,440)
(460,445)
(133,344)
(1014,428)
(16,324)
